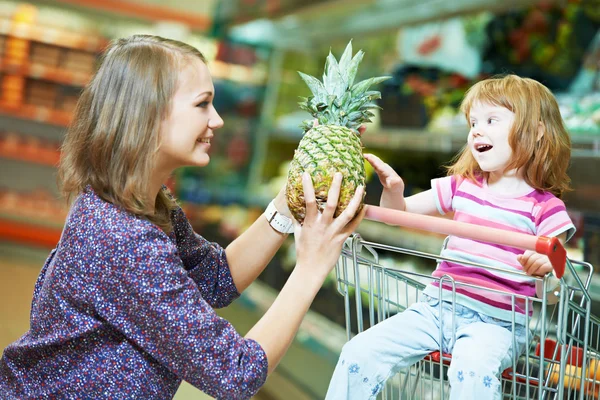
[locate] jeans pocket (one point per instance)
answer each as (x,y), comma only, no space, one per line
(432,301)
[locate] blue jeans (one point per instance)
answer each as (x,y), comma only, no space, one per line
(483,348)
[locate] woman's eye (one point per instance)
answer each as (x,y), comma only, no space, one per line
(204,104)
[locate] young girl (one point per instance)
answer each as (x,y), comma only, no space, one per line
(123,307)
(510,175)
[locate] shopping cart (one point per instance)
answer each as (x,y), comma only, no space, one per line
(562,356)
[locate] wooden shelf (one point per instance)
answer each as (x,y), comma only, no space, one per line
(40,71)
(52,36)
(35,113)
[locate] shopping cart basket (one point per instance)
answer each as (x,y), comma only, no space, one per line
(562,357)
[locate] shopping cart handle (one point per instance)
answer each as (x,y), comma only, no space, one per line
(541,244)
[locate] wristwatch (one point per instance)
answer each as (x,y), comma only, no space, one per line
(278,221)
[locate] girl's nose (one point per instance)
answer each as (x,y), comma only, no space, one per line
(475,132)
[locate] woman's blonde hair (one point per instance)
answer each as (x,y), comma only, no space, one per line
(543,160)
(112,143)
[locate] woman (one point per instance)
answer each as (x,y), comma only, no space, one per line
(123,307)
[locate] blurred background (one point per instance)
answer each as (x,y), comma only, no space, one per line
(434,49)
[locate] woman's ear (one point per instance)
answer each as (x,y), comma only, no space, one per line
(541,131)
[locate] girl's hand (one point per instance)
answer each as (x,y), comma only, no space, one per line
(390,180)
(393,186)
(535,264)
(319,240)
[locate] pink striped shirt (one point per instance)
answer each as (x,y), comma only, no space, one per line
(535,213)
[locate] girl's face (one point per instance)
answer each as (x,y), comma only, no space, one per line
(488,137)
(187,132)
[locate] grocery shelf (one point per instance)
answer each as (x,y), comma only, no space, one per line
(48,35)
(28,231)
(238,73)
(584,144)
(40,71)
(151,12)
(33,157)
(416,139)
(36,113)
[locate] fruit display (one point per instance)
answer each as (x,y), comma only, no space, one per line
(332,143)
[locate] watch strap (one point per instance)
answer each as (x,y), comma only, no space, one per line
(278,221)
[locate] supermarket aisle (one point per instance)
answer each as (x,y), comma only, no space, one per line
(19,268)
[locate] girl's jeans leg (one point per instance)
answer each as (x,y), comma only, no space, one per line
(374,355)
(481,352)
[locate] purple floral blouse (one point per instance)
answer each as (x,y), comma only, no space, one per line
(122,310)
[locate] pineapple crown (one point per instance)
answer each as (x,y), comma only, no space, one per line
(337,100)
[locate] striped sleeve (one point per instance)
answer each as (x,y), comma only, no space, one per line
(443,191)
(554,220)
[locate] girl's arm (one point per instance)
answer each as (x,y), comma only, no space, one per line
(393,191)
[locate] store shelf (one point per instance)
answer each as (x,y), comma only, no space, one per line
(397,139)
(39,71)
(52,36)
(27,231)
(415,139)
(238,73)
(35,113)
(584,144)
(188,13)
(46,159)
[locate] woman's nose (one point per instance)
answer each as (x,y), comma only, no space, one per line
(215,121)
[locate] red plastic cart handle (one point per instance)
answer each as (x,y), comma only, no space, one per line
(541,244)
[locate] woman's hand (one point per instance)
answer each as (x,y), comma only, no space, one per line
(320,239)
(280,202)
(393,186)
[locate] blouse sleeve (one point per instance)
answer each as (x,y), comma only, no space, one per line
(205,263)
(147,295)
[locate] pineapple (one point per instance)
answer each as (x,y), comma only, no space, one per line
(334,145)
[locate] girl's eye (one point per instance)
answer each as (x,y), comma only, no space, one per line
(472,124)
(204,104)
(490,120)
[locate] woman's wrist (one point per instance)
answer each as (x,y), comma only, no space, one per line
(280,203)
(277,220)
(311,282)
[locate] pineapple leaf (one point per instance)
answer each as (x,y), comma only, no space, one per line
(332,78)
(355,115)
(346,57)
(368,106)
(306,125)
(337,100)
(362,86)
(315,86)
(353,67)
